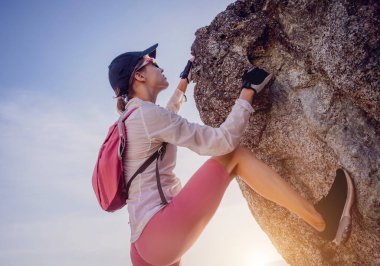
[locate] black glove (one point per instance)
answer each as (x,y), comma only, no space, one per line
(255,79)
(185,74)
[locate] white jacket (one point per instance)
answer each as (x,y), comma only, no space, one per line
(147,128)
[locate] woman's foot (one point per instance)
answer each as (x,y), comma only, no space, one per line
(335,208)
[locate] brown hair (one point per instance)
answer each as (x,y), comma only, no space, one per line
(123,99)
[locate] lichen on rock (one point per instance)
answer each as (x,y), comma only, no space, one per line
(321,112)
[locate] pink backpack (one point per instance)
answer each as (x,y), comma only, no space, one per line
(108,177)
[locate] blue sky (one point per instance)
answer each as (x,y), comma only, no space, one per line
(55,108)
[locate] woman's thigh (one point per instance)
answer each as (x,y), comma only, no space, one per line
(173,230)
(137,260)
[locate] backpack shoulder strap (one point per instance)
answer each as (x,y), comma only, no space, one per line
(122,130)
(122,118)
(158,154)
(126,114)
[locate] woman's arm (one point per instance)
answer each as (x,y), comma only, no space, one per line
(247,94)
(165,126)
(178,97)
(182,85)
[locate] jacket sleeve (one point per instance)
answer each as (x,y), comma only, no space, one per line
(163,125)
(176,100)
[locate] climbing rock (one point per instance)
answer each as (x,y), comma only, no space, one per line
(321,112)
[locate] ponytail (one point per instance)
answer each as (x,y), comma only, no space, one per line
(120,105)
(122,99)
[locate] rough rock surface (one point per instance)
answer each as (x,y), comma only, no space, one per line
(321,112)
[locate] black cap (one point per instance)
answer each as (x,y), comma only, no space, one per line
(121,68)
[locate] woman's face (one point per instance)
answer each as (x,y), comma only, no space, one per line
(154,77)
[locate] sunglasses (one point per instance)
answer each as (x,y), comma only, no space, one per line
(148,60)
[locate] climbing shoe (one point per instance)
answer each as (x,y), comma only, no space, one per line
(335,208)
(255,79)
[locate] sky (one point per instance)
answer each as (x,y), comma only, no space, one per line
(56,105)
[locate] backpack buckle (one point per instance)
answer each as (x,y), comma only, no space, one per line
(162,151)
(121,148)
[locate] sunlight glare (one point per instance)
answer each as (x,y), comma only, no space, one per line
(256,259)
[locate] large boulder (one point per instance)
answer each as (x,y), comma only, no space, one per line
(321,112)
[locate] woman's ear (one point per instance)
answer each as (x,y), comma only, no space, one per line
(140,76)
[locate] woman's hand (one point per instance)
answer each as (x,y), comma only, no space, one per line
(255,79)
(186,73)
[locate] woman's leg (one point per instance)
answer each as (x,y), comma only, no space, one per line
(175,228)
(266,182)
(137,260)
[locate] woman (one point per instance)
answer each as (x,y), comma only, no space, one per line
(161,233)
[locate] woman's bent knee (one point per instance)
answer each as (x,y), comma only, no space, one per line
(231,160)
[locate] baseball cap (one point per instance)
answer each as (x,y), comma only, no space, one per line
(121,68)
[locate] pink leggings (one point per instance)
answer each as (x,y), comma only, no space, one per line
(174,229)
